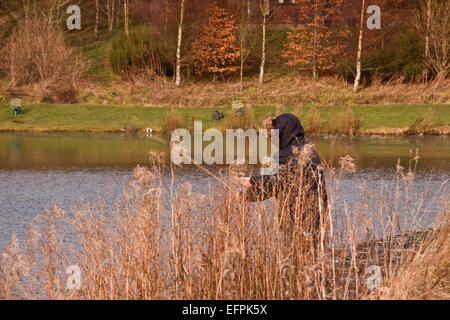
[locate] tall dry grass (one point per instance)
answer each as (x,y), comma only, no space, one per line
(345,122)
(171,122)
(286,91)
(244,121)
(169,242)
(313,120)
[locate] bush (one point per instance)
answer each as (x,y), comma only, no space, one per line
(36,54)
(140,53)
(423,124)
(345,122)
(61,94)
(244,121)
(132,127)
(171,122)
(401,57)
(313,121)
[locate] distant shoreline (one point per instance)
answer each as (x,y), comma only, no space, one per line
(382,119)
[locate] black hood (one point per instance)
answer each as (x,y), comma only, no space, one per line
(291,135)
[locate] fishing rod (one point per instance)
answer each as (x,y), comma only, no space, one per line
(191,160)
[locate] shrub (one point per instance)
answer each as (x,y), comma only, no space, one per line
(140,53)
(345,122)
(401,57)
(244,121)
(62,94)
(131,127)
(423,124)
(36,54)
(313,120)
(171,122)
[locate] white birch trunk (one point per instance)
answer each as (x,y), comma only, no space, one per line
(360,40)
(96,18)
(180,38)
(263,53)
(126,16)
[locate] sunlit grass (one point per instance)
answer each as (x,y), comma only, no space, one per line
(98,118)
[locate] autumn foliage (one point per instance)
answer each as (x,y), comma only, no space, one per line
(216,50)
(315,43)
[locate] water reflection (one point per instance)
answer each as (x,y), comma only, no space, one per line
(39,171)
(25,151)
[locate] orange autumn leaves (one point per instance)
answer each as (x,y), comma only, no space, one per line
(216,50)
(315,43)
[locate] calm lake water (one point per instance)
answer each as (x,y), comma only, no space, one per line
(40,171)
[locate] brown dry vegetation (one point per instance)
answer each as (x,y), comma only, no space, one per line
(286,91)
(37,59)
(210,246)
(313,120)
(244,121)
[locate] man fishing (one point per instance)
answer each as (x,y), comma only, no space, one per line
(299,184)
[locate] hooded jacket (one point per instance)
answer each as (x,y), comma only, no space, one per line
(299,182)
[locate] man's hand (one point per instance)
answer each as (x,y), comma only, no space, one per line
(245,182)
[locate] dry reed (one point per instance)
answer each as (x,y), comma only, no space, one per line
(169,242)
(313,121)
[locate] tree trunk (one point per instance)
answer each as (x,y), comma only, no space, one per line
(360,40)
(126,16)
(110,14)
(243,35)
(263,53)
(165,23)
(427,31)
(180,37)
(96,18)
(315,41)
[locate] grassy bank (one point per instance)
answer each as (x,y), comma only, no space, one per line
(382,119)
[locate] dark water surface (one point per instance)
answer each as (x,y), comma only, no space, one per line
(39,171)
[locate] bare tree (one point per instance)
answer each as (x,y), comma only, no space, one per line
(179,41)
(432,22)
(247,38)
(360,43)
(110,7)
(266,13)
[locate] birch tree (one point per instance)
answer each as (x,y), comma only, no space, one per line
(247,39)
(432,21)
(265,11)
(97,17)
(110,14)
(126,10)
(179,41)
(360,44)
